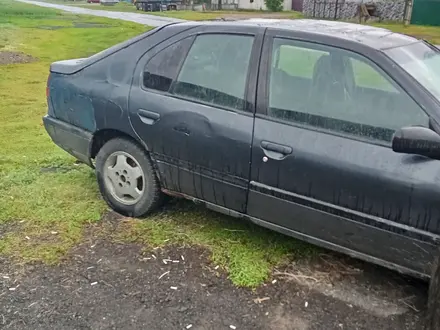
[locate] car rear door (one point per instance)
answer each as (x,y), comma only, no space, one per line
(192,103)
(322,165)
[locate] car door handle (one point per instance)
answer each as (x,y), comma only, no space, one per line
(148,117)
(277,148)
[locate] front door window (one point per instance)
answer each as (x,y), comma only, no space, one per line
(337,90)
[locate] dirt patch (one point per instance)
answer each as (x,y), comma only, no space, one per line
(374,289)
(77,25)
(86,25)
(57,169)
(14,58)
(51,27)
(9,227)
(105,285)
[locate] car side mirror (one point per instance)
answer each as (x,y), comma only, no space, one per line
(417,140)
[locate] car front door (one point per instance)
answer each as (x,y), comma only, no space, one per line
(322,165)
(192,103)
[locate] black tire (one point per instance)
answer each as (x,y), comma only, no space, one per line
(152,196)
(433,313)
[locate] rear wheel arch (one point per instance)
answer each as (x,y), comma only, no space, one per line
(134,198)
(102,136)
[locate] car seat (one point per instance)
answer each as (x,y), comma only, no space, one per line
(333,87)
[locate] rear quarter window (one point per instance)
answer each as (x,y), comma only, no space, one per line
(163,68)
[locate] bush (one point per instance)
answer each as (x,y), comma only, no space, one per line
(274,5)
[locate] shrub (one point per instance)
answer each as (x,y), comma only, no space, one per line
(274,5)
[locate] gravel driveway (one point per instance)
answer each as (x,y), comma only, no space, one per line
(150,20)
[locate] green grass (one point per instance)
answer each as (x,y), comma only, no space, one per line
(247,252)
(40,186)
(430,33)
(47,200)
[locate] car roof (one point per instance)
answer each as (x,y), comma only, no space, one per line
(375,37)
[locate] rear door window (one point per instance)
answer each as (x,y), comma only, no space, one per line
(215,70)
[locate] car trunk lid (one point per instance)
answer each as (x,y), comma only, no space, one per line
(67,66)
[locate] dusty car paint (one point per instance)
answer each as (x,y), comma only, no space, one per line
(100,83)
(329,190)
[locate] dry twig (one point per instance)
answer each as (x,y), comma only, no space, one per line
(260,300)
(296,276)
(164,274)
(411,306)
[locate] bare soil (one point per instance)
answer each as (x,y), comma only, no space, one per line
(108,285)
(7,57)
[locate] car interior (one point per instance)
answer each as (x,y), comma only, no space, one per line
(222,72)
(332,93)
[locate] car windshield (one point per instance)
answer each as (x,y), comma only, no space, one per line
(421,61)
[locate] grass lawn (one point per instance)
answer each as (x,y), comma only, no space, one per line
(34,197)
(47,201)
(430,33)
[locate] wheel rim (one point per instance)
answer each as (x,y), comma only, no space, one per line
(124,178)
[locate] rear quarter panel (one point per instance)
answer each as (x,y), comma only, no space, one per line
(96,97)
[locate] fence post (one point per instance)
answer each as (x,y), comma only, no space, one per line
(336,9)
(408,12)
